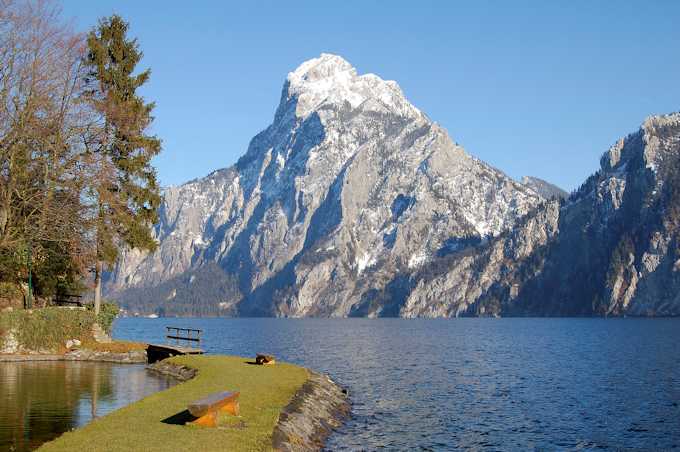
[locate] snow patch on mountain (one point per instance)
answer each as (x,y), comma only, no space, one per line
(349,176)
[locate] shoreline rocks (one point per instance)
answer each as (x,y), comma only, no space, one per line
(26,358)
(71,343)
(319,407)
(181,373)
(131,357)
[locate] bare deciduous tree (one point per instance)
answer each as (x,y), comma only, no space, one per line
(44,129)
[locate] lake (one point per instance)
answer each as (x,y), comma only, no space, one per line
(41,400)
(475,383)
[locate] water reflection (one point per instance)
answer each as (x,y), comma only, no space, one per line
(41,400)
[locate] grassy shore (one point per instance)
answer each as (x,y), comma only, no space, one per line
(265,391)
(46,330)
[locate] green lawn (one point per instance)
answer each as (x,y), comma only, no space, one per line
(265,390)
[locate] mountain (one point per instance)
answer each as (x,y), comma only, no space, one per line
(354,203)
(350,188)
(544,189)
(612,248)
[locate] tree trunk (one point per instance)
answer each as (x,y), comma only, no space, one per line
(97,286)
(3,221)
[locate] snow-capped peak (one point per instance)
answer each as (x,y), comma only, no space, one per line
(325,66)
(331,79)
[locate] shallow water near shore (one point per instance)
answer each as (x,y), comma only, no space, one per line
(475,383)
(40,400)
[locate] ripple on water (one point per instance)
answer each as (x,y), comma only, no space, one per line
(476,383)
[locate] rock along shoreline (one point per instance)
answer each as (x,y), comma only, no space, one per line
(130,357)
(317,408)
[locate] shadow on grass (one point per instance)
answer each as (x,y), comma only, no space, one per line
(184,417)
(181,418)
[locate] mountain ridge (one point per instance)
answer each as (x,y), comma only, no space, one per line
(544,188)
(339,208)
(610,249)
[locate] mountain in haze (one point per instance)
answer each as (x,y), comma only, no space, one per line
(348,188)
(544,189)
(354,203)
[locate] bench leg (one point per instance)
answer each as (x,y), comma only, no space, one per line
(207,420)
(231,408)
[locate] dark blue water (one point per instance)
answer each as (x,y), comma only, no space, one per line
(476,383)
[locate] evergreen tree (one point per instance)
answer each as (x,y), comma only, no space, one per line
(124,185)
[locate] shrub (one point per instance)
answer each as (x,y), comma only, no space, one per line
(47,329)
(107,314)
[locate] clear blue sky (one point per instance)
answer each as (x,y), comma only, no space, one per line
(534,88)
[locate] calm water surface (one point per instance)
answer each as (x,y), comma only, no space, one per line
(41,400)
(476,383)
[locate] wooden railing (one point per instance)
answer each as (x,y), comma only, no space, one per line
(188,335)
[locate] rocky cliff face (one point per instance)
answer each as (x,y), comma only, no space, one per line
(354,203)
(610,249)
(349,187)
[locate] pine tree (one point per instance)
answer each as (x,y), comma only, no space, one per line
(124,187)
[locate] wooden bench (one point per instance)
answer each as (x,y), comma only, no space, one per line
(206,409)
(68,300)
